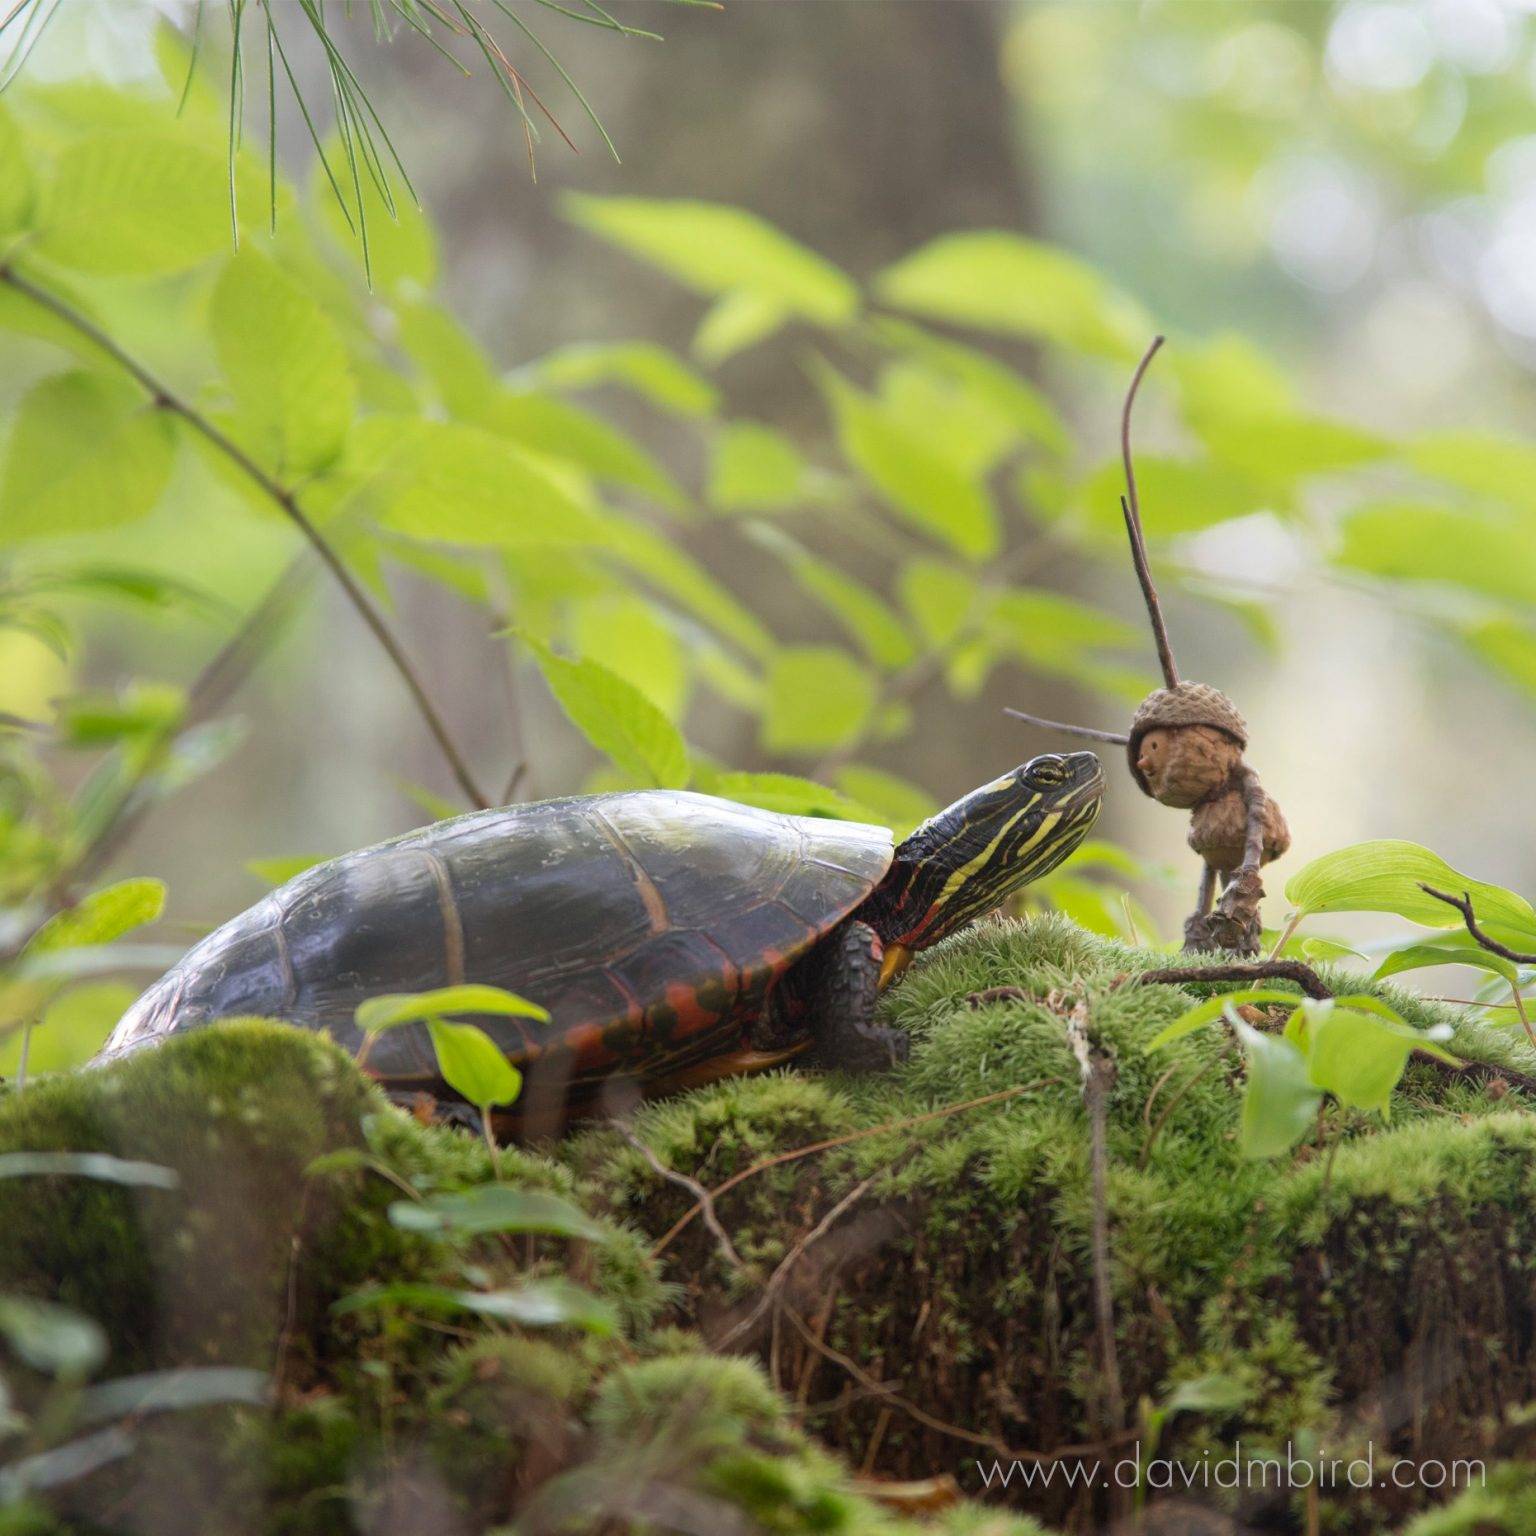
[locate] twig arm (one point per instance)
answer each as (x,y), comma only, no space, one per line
(1072,730)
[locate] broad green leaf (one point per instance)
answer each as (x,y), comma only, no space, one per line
(52,1338)
(280,871)
(450,357)
(917,480)
(1279,1100)
(1491,552)
(497,1208)
(1053,632)
(649,370)
(1227,377)
(788,793)
(717,250)
(1357,1058)
(462,485)
(392,1009)
(736,322)
(559,430)
(398,246)
(1499,468)
(101,917)
(615,717)
(87,1165)
(75,1025)
(1507,645)
(865,618)
(755,469)
(17,191)
(896,802)
(1385,877)
(138,204)
(819,699)
(996,281)
(1284,448)
(1177,496)
(660,562)
(943,599)
(538,1304)
(472,1063)
(1419,957)
(941,412)
(986,384)
(85,452)
(172,1391)
(1213,1008)
(286,364)
(628,635)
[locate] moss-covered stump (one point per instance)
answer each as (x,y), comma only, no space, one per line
(929,1301)
(397,1416)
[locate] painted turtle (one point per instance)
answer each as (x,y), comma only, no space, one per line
(673,937)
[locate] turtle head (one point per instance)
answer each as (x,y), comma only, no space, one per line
(972,856)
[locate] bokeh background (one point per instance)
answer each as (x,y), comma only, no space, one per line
(1350,186)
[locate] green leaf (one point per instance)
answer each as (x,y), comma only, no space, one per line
(718,250)
(896,802)
(865,618)
(76,1023)
(1177,496)
(1213,1008)
(615,717)
(391,1009)
(1385,877)
(101,917)
(819,699)
(497,1208)
(1284,448)
(1003,282)
(86,452)
(87,1165)
(462,485)
(755,469)
(642,366)
(1508,646)
(1356,1057)
(1419,957)
(137,204)
(539,1304)
(919,482)
(736,322)
(1491,552)
(631,637)
(285,363)
(1279,1101)
(787,793)
(281,870)
(52,1338)
(1227,376)
(1052,632)
(472,1063)
(17,192)
(942,599)
(563,431)
(450,357)
(1499,468)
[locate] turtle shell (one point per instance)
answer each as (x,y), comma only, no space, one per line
(1183,704)
(650,924)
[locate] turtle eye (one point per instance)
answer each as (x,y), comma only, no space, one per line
(1047,772)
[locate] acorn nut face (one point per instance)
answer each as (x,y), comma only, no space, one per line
(1182,764)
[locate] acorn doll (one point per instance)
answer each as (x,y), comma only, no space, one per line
(1185,749)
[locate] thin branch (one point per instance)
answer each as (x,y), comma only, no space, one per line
(706,1201)
(1246,970)
(1463,904)
(285,499)
(1131,509)
(1117,737)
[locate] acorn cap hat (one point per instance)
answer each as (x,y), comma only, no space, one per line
(1183,704)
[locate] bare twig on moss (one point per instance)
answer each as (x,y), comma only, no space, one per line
(1247,970)
(793,1154)
(164,399)
(706,1203)
(1463,904)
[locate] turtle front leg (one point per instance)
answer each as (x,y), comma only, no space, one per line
(841,994)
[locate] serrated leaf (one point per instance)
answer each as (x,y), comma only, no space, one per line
(1003,282)
(285,363)
(459,484)
(472,1064)
(754,469)
(1385,876)
(616,718)
(135,204)
(85,452)
(818,699)
(391,1009)
(1279,1100)
(921,484)
(101,917)
(717,249)
(648,369)
(497,1208)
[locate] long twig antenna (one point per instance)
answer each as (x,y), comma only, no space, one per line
(1131,508)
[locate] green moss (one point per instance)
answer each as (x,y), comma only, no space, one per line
(1505,1505)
